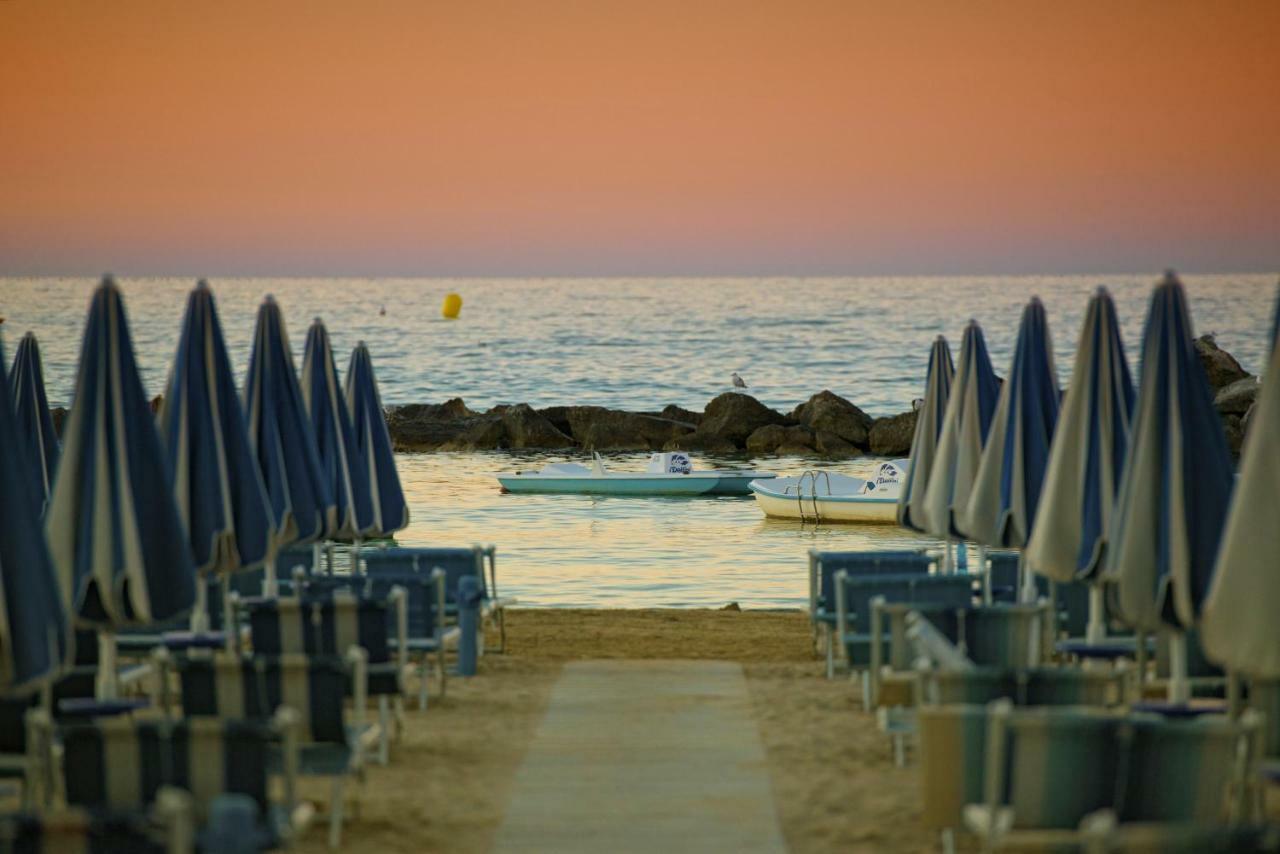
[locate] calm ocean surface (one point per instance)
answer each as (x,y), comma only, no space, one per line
(635,344)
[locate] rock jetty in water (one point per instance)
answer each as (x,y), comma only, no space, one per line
(825,425)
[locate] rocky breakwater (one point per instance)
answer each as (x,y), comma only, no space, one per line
(1235,389)
(824,425)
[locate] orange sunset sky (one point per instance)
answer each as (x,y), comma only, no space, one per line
(597,137)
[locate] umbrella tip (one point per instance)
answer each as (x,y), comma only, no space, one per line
(360,343)
(202,284)
(1170,276)
(269,299)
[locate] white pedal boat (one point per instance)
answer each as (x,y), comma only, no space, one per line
(669,473)
(822,496)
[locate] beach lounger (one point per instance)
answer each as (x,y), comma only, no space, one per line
(1048,769)
(853,596)
(232,686)
(328,617)
(823,567)
(122,764)
(1185,770)
(953,747)
(21,758)
(165,828)
(478,561)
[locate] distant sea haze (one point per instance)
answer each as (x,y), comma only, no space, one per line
(635,343)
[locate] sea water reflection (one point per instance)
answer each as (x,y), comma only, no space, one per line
(594,551)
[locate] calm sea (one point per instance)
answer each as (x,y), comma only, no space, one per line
(636,344)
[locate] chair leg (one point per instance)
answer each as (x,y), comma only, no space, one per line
(949,841)
(399,712)
(831,654)
(337,802)
(424,677)
(444,673)
(899,751)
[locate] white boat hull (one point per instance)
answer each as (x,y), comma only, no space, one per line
(823,496)
(874,511)
(639,483)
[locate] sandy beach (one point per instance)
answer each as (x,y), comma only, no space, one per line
(834,784)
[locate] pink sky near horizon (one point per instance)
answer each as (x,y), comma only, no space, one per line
(578,137)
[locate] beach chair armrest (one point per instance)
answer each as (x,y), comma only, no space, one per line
(449,637)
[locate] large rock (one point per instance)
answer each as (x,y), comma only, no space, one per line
(679,413)
(1237,397)
(831,412)
(1233,426)
(508,427)
(526,428)
(602,429)
(1220,366)
(427,426)
(770,438)
(891,437)
(830,445)
(734,416)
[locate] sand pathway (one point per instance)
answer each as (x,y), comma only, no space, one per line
(644,756)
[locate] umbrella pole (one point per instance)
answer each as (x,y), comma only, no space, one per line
(230,629)
(1179,685)
(270,587)
(108,686)
(1027,580)
(948,559)
(1096,631)
(985,570)
(200,611)
(316,550)
(355,556)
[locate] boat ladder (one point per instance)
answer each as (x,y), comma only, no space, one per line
(812,476)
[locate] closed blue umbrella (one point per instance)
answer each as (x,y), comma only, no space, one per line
(216,481)
(35,424)
(115,536)
(35,634)
(1086,458)
(1001,509)
(283,444)
(335,438)
(373,445)
(970,408)
(924,444)
(1175,488)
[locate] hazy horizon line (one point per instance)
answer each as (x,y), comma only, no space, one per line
(509,276)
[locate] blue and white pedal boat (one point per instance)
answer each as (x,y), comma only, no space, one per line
(823,496)
(669,473)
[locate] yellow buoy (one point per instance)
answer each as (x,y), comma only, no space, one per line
(452,305)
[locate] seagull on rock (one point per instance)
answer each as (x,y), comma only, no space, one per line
(738,382)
